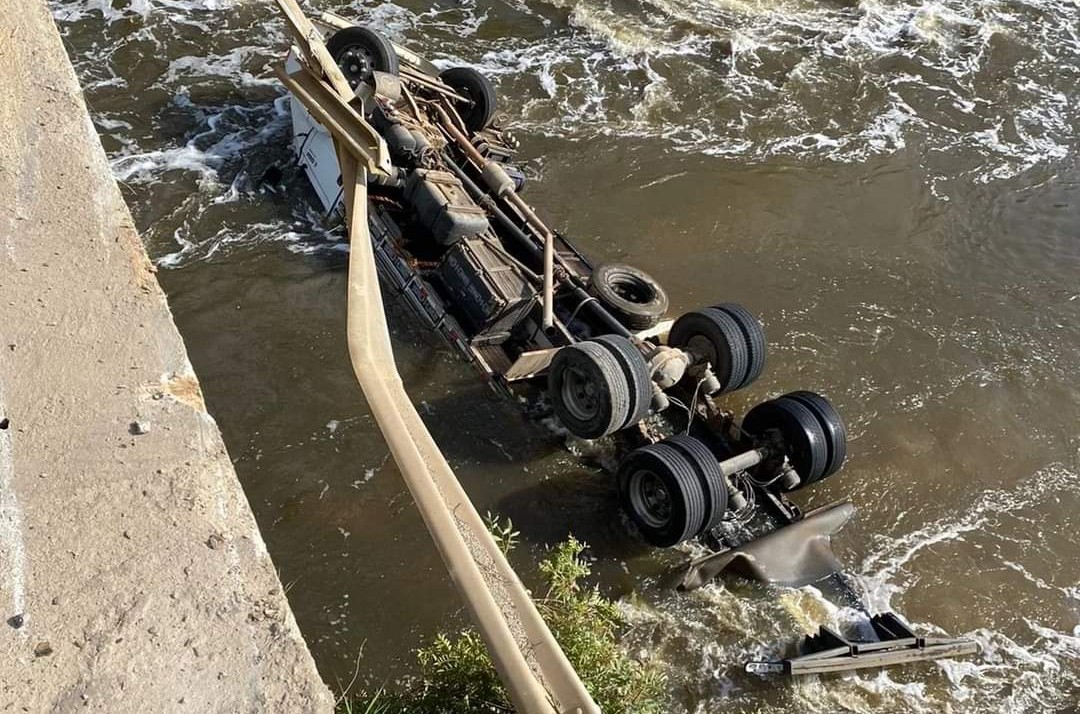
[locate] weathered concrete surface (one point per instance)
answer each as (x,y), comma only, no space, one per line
(132,574)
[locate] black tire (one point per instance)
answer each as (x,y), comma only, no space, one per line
(715,336)
(631,295)
(636,372)
(804,440)
(831,423)
(588,390)
(662,494)
(360,52)
(708,472)
(756,345)
(479,90)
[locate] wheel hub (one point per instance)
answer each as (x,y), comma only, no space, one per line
(580,394)
(654,497)
(356,64)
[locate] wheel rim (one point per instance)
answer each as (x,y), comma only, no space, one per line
(357,64)
(579,394)
(651,498)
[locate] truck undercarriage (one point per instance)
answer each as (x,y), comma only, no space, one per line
(452,235)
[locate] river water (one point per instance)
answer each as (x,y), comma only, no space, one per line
(892,185)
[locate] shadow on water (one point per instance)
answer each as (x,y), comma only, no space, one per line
(579,503)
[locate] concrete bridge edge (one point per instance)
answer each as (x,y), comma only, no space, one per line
(133,576)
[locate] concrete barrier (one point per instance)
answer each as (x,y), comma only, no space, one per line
(133,577)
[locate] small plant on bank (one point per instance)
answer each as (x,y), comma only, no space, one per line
(457,676)
(503,532)
(377,703)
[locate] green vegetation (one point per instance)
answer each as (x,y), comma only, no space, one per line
(457,677)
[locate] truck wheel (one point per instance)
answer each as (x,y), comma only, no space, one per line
(361,52)
(802,437)
(479,90)
(631,295)
(707,469)
(588,390)
(755,340)
(632,363)
(712,335)
(662,494)
(831,423)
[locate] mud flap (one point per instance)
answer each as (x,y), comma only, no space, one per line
(793,556)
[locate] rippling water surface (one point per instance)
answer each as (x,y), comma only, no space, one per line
(892,186)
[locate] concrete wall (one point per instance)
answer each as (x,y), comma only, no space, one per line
(133,577)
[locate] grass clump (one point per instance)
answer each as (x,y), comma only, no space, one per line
(457,676)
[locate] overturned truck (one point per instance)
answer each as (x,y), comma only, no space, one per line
(453,236)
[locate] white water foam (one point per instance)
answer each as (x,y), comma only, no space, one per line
(737,78)
(701,638)
(705,74)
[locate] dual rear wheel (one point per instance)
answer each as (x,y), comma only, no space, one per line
(675,490)
(672,490)
(809,429)
(727,338)
(599,386)
(602,385)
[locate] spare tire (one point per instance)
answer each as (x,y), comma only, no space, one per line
(479,90)
(631,295)
(360,52)
(662,494)
(589,390)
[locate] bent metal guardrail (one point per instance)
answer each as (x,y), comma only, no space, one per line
(529,661)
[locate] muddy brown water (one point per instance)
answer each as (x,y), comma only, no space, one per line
(891,186)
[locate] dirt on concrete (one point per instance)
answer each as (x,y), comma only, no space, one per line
(133,577)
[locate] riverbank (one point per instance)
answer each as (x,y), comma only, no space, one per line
(133,576)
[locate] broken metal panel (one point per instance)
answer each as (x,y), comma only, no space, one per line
(530,364)
(795,555)
(828,651)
